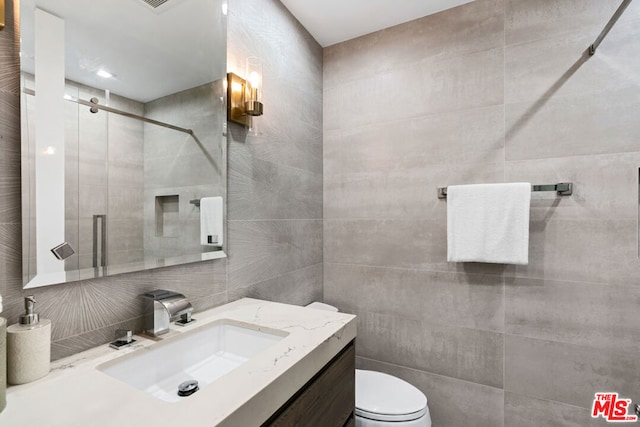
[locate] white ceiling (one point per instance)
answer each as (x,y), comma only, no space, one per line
(334,21)
(151,52)
(154,53)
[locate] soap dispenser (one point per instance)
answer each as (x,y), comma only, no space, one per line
(28,346)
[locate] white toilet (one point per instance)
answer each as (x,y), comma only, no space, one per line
(386,401)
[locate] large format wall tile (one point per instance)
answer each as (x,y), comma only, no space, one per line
(94,304)
(467,354)
(291,127)
(268,28)
(10,184)
(449,299)
(298,287)
(451,402)
(277,145)
(461,31)
(10,258)
(403,194)
(299,144)
(263,250)
(573,126)
(391,243)
(77,343)
(412,243)
(263,190)
(603,186)
(10,122)
(275,171)
(561,67)
(568,373)
(9,52)
(572,312)
(70,345)
(441,101)
(423,142)
(98,303)
(595,251)
(525,411)
(450,84)
(126,202)
(528,20)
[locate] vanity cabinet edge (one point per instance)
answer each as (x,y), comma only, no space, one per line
(327,399)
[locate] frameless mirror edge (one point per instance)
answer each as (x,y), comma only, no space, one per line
(88,273)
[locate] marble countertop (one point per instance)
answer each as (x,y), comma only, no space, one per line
(76,394)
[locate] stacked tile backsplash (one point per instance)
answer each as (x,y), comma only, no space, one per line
(275,223)
(491,91)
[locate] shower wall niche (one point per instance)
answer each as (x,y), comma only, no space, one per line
(180,168)
(167,215)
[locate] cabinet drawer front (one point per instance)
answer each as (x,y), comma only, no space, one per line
(327,400)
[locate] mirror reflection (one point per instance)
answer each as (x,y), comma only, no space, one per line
(123,152)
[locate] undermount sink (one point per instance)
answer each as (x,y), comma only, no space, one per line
(204,354)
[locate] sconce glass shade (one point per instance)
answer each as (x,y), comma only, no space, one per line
(253,88)
(244,95)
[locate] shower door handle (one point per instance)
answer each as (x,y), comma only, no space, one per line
(99,234)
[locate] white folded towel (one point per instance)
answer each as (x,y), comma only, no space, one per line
(488,223)
(211,224)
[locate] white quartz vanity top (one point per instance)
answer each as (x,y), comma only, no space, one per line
(76,394)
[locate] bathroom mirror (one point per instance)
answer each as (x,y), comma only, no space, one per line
(123,147)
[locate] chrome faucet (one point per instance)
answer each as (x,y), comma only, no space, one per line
(161,307)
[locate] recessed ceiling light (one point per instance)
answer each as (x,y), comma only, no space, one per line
(104,74)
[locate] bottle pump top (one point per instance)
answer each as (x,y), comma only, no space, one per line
(29,318)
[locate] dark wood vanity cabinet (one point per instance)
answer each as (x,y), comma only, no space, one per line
(327,400)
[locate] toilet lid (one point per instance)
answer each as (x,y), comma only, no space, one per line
(384,397)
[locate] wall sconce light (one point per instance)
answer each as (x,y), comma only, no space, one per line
(244,96)
(1,14)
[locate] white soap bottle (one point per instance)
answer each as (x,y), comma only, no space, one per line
(28,346)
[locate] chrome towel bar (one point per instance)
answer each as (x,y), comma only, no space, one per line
(561,189)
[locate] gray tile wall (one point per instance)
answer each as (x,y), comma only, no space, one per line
(178,164)
(286,243)
(275,177)
(492,91)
